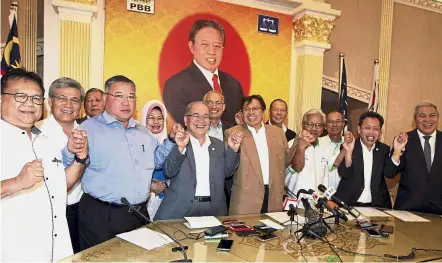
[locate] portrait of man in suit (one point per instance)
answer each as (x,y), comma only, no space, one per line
(367,162)
(206,42)
(418,154)
(197,168)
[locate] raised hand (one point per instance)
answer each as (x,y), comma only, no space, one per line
(239,118)
(77,143)
(305,139)
(349,141)
(182,139)
(175,128)
(235,139)
(399,142)
(30,174)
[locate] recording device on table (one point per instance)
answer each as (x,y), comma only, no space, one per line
(267,237)
(322,202)
(180,247)
(330,195)
(215,230)
(314,226)
(225,245)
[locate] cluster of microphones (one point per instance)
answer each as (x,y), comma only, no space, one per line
(315,225)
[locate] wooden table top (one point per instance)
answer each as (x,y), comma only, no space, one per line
(348,237)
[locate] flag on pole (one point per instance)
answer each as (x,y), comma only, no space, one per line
(343,102)
(374,99)
(11,53)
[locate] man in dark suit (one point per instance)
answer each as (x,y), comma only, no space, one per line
(366,163)
(277,115)
(418,154)
(93,104)
(197,170)
(206,42)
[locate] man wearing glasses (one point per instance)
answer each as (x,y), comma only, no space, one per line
(34,184)
(65,98)
(197,169)
(310,160)
(367,162)
(215,102)
(258,184)
(206,42)
(123,155)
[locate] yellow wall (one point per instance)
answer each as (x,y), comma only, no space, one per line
(133,42)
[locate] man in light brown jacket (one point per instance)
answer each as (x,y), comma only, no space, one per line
(258,184)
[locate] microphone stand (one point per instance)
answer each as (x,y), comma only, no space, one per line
(133,209)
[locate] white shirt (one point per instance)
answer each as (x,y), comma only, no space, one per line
(367,156)
(432,142)
(51,128)
(207,74)
(216,132)
(262,148)
(28,224)
(202,166)
(331,151)
(313,173)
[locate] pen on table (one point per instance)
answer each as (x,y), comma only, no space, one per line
(142,146)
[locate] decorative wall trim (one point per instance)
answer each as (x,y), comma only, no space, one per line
(86,2)
(308,27)
(430,5)
(40,48)
(353,92)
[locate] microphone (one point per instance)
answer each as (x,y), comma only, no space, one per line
(290,193)
(330,194)
(301,191)
(288,203)
(321,201)
(313,221)
(132,208)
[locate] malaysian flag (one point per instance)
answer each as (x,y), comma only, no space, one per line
(374,99)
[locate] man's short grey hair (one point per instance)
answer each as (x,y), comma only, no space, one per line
(213,91)
(190,105)
(312,112)
(65,82)
(425,104)
(118,78)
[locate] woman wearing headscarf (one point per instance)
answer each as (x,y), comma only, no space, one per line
(154,118)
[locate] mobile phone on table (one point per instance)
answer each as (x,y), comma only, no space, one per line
(267,237)
(387,229)
(236,228)
(247,233)
(225,245)
(372,232)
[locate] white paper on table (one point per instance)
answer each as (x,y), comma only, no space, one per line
(201,222)
(406,216)
(145,238)
(370,212)
(283,218)
(271,224)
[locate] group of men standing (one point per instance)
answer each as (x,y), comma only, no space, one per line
(225,160)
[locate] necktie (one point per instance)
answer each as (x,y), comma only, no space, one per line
(216,84)
(427,152)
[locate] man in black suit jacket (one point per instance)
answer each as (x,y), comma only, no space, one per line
(419,156)
(206,42)
(277,115)
(366,163)
(197,168)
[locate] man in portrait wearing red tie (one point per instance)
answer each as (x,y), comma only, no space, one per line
(206,42)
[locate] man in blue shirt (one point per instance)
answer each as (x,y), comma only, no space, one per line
(123,156)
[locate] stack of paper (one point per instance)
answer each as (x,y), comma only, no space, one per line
(370,212)
(145,238)
(407,216)
(271,224)
(201,222)
(283,218)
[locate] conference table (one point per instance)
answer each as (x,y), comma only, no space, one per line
(346,237)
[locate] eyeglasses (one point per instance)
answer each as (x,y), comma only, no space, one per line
(22,98)
(64,99)
(251,109)
(197,117)
(312,124)
(153,119)
(215,103)
(205,45)
(121,97)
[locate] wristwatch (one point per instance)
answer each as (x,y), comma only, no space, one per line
(82,161)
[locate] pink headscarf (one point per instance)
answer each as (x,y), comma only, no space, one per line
(148,107)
